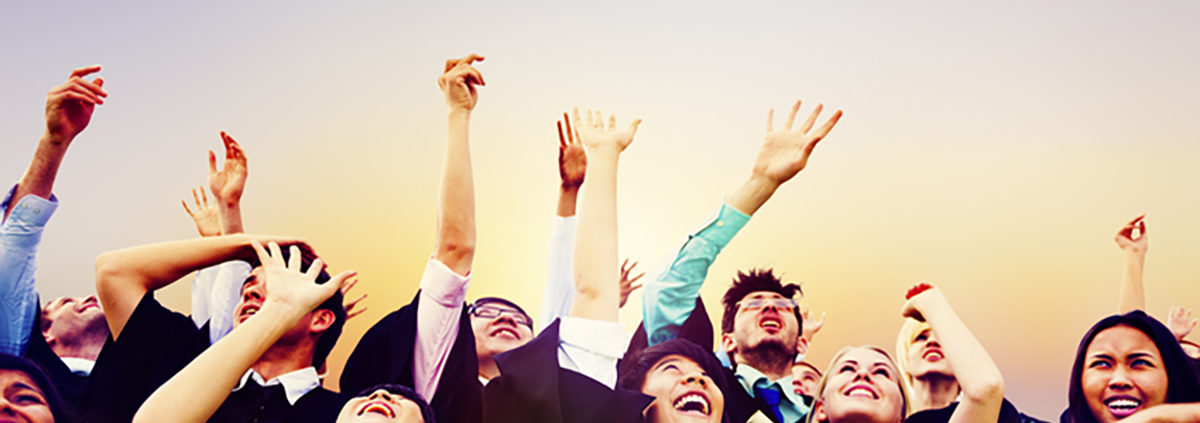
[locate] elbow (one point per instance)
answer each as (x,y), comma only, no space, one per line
(456,254)
(986,391)
(107,270)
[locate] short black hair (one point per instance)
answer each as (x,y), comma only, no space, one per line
(329,338)
(406,392)
(21,364)
(752,281)
(634,369)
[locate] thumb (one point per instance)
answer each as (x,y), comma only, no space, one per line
(335,284)
(633,126)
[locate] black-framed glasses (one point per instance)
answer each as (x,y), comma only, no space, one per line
(490,311)
(785,304)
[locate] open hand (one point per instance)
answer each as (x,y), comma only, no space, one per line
(290,286)
(350,305)
(595,135)
(228,183)
(208,222)
(1181,322)
(627,283)
(572,159)
(810,324)
(785,152)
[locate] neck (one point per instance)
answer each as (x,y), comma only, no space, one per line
(933,391)
(85,348)
(488,369)
(283,359)
(768,361)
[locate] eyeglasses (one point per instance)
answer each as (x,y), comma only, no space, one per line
(785,304)
(488,311)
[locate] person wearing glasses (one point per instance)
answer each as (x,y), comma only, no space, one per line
(761,324)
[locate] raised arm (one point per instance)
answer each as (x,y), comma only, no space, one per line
(597,289)
(69,109)
(669,299)
(560,256)
(455,244)
(977,375)
(1133,291)
(124,276)
(228,184)
(195,393)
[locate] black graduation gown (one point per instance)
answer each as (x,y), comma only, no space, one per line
(533,388)
(385,355)
(1008,414)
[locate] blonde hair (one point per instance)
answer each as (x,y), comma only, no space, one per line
(818,397)
(904,341)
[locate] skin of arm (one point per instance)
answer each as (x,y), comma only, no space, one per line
(455,244)
(124,276)
(69,109)
(1133,290)
(980,380)
(597,295)
(1167,413)
(198,390)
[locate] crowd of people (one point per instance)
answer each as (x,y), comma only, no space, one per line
(265,315)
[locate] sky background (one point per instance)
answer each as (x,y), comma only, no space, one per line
(992,149)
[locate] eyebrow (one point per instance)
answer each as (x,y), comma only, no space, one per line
(23,385)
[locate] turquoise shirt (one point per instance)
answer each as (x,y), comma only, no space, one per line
(669,299)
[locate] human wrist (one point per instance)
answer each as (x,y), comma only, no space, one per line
(58,140)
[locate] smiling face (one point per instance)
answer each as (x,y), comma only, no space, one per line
(21,400)
(380,406)
(500,332)
(925,355)
(682,392)
(67,320)
(862,385)
(1123,373)
(765,325)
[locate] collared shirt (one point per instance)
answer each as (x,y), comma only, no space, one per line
(592,348)
(79,366)
(559,295)
(20,235)
(668,300)
(443,293)
(295,384)
(791,404)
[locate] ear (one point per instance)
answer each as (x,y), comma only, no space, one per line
(728,344)
(819,411)
(50,339)
(802,346)
(321,320)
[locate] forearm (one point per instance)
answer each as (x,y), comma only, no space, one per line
(1133,291)
(567,197)
(752,194)
(455,244)
(231,217)
(39,178)
(976,373)
(1169,413)
(124,276)
(596,273)
(195,393)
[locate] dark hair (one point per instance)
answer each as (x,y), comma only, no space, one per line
(486,300)
(750,282)
(334,304)
(43,382)
(634,369)
(1183,385)
(406,392)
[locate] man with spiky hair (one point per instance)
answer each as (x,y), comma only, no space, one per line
(761,323)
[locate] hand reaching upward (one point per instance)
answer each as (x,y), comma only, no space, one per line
(785,153)
(572,159)
(458,82)
(69,106)
(1126,240)
(228,183)
(208,223)
(596,136)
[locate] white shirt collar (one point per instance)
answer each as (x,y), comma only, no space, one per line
(79,366)
(295,384)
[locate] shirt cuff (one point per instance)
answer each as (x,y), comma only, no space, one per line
(442,285)
(598,337)
(721,229)
(30,210)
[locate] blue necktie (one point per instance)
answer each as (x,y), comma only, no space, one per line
(771,395)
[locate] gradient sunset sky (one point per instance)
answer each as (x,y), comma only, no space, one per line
(992,148)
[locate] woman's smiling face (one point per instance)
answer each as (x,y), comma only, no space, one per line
(1123,373)
(862,385)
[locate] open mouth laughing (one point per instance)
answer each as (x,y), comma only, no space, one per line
(693,403)
(1122,406)
(378,407)
(861,390)
(771,323)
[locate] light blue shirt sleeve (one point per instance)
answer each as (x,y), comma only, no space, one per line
(668,300)
(559,295)
(20,235)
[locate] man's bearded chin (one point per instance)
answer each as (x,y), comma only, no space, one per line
(769,352)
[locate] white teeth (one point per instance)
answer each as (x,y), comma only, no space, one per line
(1123,403)
(861,392)
(771,323)
(687,400)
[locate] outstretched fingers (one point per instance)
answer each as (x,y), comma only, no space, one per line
(787,126)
